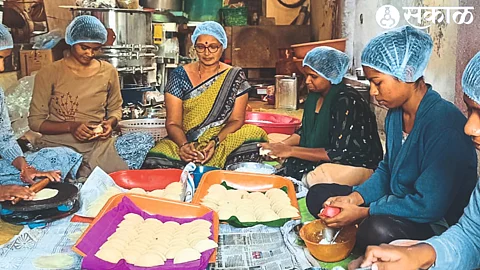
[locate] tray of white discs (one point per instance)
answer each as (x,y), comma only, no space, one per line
(271,208)
(129,238)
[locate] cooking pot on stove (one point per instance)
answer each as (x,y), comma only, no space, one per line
(162,5)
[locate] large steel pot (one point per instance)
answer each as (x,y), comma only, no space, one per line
(175,5)
(130,26)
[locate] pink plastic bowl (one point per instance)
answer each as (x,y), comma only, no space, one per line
(273,123)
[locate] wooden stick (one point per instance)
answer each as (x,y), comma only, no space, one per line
(34,188)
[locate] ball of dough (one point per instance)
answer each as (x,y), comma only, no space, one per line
(98,130)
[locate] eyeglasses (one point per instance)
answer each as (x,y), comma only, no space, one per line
(212,48)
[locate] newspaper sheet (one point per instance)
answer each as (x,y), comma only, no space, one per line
(259,248)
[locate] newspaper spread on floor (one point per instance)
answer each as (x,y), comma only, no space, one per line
(31,245)
(259,248)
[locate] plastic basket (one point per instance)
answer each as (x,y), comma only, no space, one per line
(155,127)
(234,16)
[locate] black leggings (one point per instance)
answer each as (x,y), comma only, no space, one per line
(374,230)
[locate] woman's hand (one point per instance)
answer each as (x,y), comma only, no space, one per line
(10,192)
(278,150)
(80,131)
(350,214)
(107,130)
(187,152)
(29,173)
(208,152)
(353,198)
(388,257)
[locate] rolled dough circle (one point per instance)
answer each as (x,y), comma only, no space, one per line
(45,194)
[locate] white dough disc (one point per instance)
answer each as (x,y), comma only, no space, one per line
(216,188)
(186,255)
(45,194)
(110,255)
(54,261)
(157,193)
(205,245)
(150,259)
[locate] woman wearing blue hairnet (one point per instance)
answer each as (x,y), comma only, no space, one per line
(429,171)
(17,169)
(77,103)
(338,141)
(206,102)
(458,247)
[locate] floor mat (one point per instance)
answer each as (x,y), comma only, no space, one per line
(305,215)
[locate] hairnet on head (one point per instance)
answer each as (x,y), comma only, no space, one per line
(328,62)
(402,52)
(6,40)
(471,79)
(213,29)
(85,29)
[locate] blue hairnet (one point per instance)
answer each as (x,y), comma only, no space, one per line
(471,79)
(328,62)
(85,29)
(213,29)
(402,52)
(6,40)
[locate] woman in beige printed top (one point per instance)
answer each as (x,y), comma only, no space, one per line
(77,94)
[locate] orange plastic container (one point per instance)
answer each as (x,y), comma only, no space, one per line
(147,179)
(157,206)
(244,181)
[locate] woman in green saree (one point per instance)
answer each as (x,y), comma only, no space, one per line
(206,103)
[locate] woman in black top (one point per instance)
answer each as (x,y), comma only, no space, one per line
(338,141)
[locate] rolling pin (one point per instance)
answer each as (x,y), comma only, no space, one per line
(34,188)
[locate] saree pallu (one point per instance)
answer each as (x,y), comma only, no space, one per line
(206,109)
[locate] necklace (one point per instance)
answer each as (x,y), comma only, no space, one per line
(200,73)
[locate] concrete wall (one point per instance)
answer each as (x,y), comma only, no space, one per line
(360,25)
(467,46)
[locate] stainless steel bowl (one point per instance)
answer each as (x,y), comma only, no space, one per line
(252,167)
